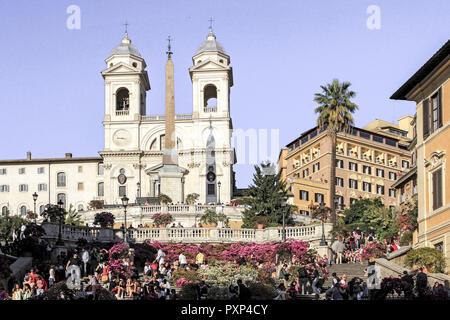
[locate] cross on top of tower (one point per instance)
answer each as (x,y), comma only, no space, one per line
(211,20)
(126,24)
(169,52)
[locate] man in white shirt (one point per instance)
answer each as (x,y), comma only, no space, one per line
(22,231)
(183,261)
(160,257)
(85,259)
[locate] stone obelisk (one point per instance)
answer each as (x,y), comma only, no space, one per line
(170,174)
(170,150)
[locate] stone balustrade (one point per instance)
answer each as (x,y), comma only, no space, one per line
(311,234)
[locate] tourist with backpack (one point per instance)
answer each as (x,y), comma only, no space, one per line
(302,279)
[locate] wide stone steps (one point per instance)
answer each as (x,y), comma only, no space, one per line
(351,270)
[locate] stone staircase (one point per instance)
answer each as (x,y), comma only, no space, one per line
(351,270)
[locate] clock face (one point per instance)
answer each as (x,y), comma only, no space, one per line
(121,137)
(211,176)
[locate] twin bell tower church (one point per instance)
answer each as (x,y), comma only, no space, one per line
(172,154)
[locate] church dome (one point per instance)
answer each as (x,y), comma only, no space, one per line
(126,48)
(211,45)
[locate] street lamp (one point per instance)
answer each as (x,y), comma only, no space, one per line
(125,204)
(283,208)
(35,196)
(60,209)
(138,194)
(219,184)
(323,242)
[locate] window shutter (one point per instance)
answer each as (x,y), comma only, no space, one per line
(425,118)
(440,108)
(439,188)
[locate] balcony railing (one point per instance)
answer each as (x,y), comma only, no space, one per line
(210,109)
(122,112)
(163,117)
(193,235)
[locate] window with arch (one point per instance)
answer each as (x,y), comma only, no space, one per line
(210,98)
(4,210)
(153,145)
(23,210)
(162,142)
(62,197)
(61,179)
(100,189)
(41,209)
(80,207)
(179,144)
(122,99)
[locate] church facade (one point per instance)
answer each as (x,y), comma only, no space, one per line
(135,143)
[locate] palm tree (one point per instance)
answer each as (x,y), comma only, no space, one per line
(335,114)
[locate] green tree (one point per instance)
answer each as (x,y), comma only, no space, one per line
(73,217)
(371,213)
(264,198)
(7,223)
(52,213)
(335,114)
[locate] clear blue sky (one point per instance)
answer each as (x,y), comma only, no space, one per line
(281,52)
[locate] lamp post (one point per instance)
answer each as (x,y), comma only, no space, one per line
(219,184)
(283,208)
(125,204)
(35,196)
(60,242)
(323,242)
(138,190)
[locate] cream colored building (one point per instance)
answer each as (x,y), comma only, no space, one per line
(134,141)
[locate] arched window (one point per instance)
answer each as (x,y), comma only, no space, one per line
(122,99)
(80,207)
(179,144)
(100,189)
(4,210)
(61,179)
(162,142)
(153,145)
(41,209)
(23,210)
(210,98)
(62,197)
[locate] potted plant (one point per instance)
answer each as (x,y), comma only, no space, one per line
(96,204)
(104,219)
(162,220)
(210,216)
(164,199)
(192,197)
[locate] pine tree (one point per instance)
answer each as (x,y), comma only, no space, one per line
(264,199)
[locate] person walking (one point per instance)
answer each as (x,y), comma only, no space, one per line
(302,279)
(85,259)
(22,231)
(421,282)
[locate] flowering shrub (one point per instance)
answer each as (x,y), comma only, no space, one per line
(404,223)
(164,218)
(182,281)
(393,285)
(254,253)
(104,219)
(373,250)
(117,254)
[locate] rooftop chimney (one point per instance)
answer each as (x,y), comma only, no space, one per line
(68,155)
(29,155)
